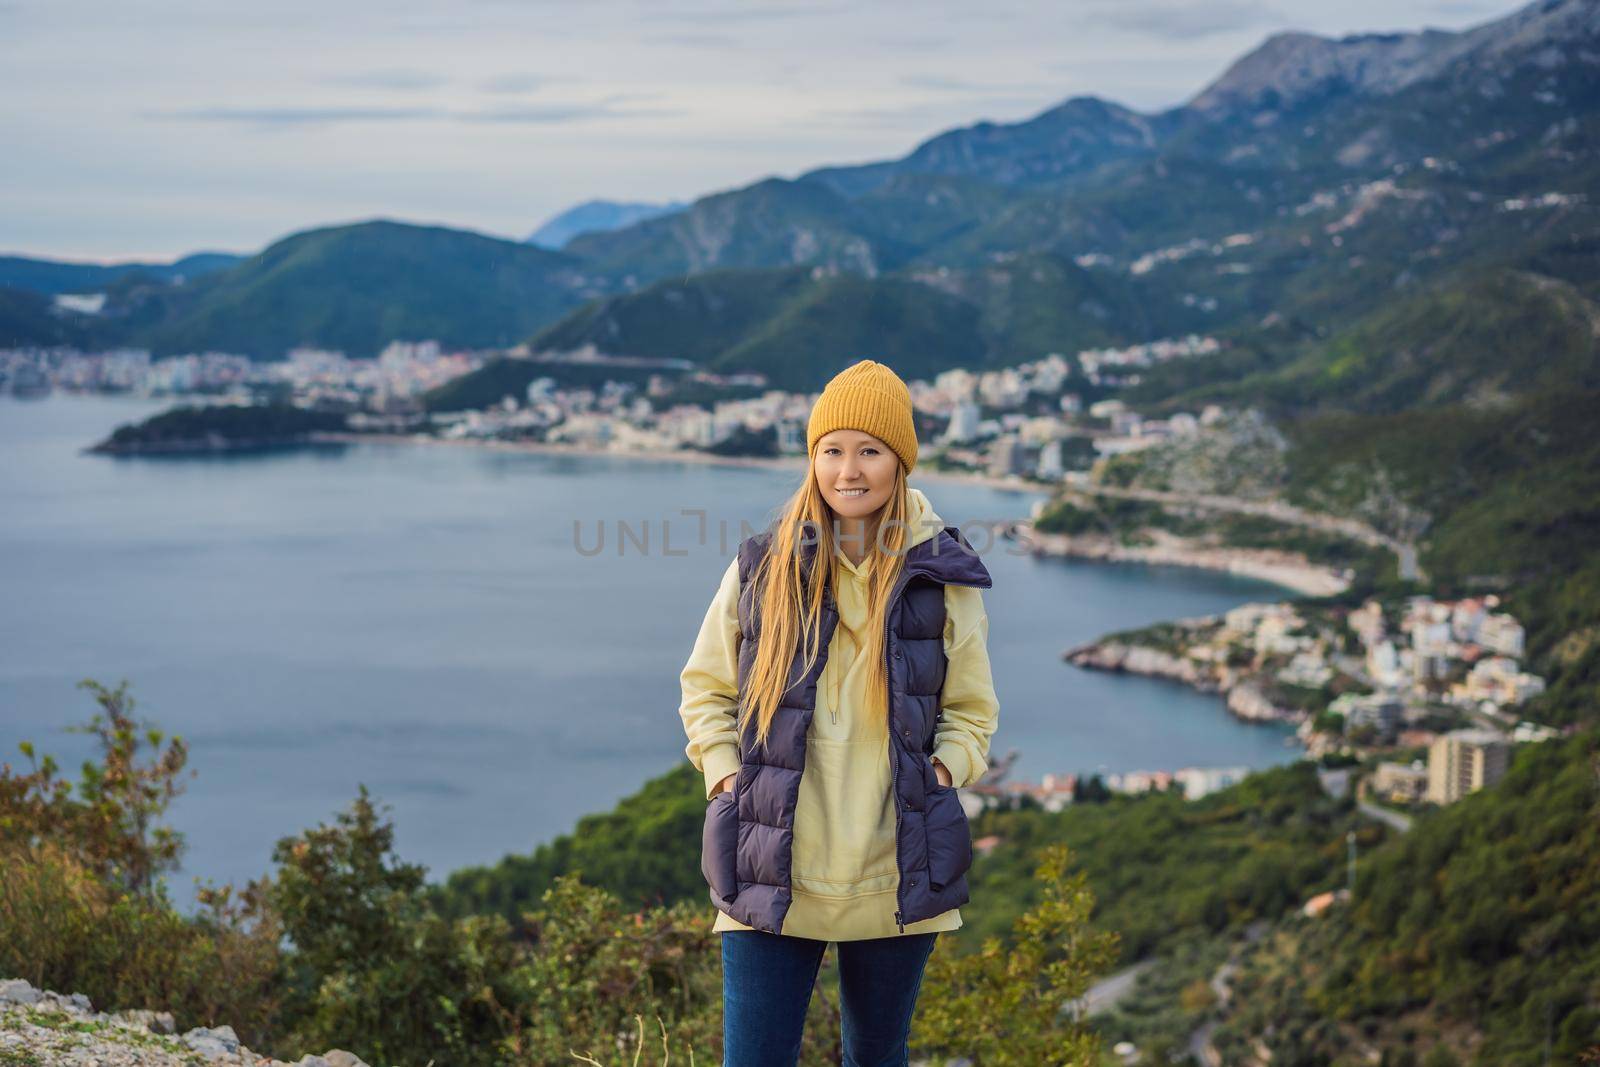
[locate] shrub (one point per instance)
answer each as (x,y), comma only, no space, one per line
(83,906)
(1005,1004)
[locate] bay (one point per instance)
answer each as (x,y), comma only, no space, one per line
(432,621)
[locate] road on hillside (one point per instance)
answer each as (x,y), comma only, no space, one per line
(1404,552)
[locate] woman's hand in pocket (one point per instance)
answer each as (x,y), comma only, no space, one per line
(941,772)
(726,785)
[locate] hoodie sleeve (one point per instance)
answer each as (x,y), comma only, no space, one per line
(970,710)
(710,684)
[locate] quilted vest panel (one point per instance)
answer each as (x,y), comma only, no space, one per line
(748,838)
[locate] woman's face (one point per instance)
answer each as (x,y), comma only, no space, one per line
(855,472)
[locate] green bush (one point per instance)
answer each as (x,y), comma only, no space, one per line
(83,906)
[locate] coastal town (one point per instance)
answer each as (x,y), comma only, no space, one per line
(1033,421)
(1424,691)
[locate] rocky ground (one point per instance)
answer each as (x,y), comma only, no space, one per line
(39,1028)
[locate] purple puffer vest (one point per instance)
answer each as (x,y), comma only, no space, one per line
(748,835)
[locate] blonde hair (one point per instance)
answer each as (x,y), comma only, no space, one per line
(789,600)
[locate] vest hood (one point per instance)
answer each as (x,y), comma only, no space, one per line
(925,522)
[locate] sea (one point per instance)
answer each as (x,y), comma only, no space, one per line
(489,640)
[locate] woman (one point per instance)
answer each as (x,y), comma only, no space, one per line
(832,809)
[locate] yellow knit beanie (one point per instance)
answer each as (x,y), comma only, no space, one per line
(869,397)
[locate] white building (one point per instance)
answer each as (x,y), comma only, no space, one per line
(963,426)
(1464,761)
(1050,464)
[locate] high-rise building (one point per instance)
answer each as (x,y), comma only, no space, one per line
(1464,761)
(963,424)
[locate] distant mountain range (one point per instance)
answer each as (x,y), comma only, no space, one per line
(595,215)
(1311,180)
(358,287)
(51,276)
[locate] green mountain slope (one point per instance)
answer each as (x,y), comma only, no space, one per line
(61,276)
(359,287)
(1160,866)
(773,223)
(1475,931)
(797,326)
(1347,168)
(842,319)
(26,318)
(1476,337)
(1069,140)
(697,317)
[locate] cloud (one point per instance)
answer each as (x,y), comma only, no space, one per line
(718,16)
(913,43)
(942,84)
(513,83)
(296,116)
(545,114)
(936,115)
(559,113)
(398,78)
(1178,20)
(1464,7)
(696,40)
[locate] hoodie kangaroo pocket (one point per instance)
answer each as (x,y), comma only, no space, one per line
(719,845)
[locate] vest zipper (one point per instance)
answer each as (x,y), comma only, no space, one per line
(899,889)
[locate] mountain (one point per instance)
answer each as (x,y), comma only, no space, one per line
(798,326)
(1496,99)
(1071,139)
(1299,116)
(1442,346)
(1312,180)
(1314,184)
(1290,70)
(358,287)
(795,324)
(598,215)
(27,318)
(1475,931)
(53,276)
(773,223)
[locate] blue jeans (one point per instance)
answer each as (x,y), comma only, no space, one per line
(766,987)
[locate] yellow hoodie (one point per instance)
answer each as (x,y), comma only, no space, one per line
(843,873)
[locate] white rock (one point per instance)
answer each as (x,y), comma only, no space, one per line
(18,991)
(157,1022)
(213,1044)
(340,1058)
(75,1004)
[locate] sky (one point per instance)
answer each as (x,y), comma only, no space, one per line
(152,128)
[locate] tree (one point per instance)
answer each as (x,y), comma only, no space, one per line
(111,826)
(375,969)
(1008,1006)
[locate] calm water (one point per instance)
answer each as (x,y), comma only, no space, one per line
(419,618)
